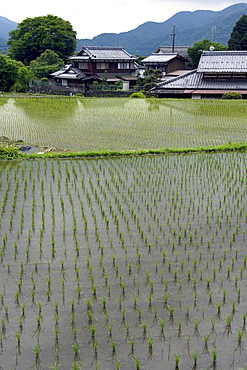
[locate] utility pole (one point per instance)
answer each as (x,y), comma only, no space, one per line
(173,34)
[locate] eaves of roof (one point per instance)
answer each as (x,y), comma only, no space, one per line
(179,82)
(62,70)
(114,77)
(128,77)
(214,91)
(68,76)
(194,81)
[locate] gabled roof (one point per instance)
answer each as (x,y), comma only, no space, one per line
(211,62)
(103,53)
(223,61)
(69,72)
(181,50)
(194,80)
(162,58)
(187,80)
(60,71)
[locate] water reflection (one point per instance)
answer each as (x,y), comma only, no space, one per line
(39,108)
(3,101)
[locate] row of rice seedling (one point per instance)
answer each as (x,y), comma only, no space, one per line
(119,124)
(124,263)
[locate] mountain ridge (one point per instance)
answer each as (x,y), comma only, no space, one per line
(202,20)
(190,27)
(6,25)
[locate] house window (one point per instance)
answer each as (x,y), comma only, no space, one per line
(123,66)
(82,65)
(64,82)
(103,66)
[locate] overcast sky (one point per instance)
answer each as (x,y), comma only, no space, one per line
(93,17)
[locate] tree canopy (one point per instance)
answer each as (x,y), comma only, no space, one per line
(35,35)
(9,72)
(23,77)
(238,39)
(196,50)
(151,78)
(14,75)
(45,64)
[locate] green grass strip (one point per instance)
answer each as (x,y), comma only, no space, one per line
(12,152)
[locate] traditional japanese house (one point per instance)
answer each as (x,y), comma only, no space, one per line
(100,64)
(218,72)
(167,63)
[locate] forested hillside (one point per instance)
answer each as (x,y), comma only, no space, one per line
(190,27)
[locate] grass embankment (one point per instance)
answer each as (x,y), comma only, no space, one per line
(11,152)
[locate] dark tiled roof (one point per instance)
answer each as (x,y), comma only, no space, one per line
(187,80)
(104,53)
(193,80)
(223,61)
(211,62)
(181,50)
(69,72)
(159,58)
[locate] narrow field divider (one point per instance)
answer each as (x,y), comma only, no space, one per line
(13,152)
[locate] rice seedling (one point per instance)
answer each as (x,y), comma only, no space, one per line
(137,363)
(228,328)
(214,357)
(76,347)
(177,361)
(132,194)
(196,325)
(244,322)
(37,351)
(240,344)
(113,349)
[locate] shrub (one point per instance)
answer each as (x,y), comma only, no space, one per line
(9,152)
(138,95)
(119,84)
(232,95)
(79,95)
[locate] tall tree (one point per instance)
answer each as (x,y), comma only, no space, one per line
(35,35)
(45,64)
(8,73)
(196,50)
(238,39)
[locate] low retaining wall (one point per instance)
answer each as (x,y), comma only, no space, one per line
(55,90)
(104,94)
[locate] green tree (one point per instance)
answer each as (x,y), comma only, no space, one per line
(119,84)
(151,78)
(23,77)
(140,59)
(238,38)
(45,64)
(8,73)
(35,35)
(196,50)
